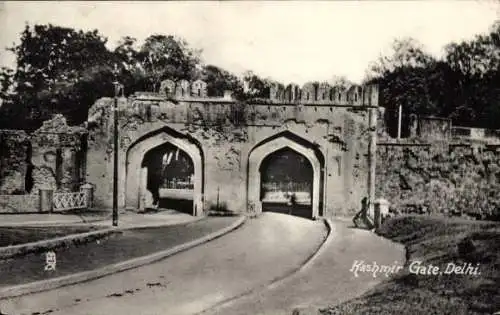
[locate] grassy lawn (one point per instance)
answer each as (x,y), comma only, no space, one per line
(437,241)
(21,235)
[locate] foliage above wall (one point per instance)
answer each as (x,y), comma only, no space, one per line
(462,86)
(63,70)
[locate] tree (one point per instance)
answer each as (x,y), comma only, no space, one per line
(473,86)
(257,87)
(219,80)
(165,57)
(132,73)
(59,70)
(340,81)
(405,52)
(406,77)
(6,83)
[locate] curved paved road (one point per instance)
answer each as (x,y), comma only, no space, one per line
(261,250)
(328,280)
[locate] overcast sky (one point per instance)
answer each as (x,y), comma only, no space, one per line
(288,41)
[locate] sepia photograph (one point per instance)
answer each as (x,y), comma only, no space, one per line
(250,157)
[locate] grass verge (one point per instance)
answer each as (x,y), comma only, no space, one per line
(438,242)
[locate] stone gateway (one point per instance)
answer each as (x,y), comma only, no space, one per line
(195,153)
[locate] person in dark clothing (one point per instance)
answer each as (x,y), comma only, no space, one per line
(363,214)
(292,202)
(155,177)
(154,183)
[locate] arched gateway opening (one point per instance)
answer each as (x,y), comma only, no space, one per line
(285,174)
(286,183)
(168,177)
(164,169)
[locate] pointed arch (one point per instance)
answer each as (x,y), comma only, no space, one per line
(135,156)
(271,145)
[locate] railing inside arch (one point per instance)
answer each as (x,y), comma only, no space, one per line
(179,189)
(178,184)
(280,192)
(69,200)
(286,186)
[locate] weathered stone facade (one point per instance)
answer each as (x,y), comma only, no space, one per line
(57,155)
(441,176)
(50,158)
(15,146)
(437,167)
(227,141)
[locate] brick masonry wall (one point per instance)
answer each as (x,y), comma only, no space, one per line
(14,147)
(19,203)
(46,158)
(443,176)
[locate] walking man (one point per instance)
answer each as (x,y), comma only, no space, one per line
(292,201)
(363,214)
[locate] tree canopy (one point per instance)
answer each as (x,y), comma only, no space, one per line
(60,70)
(462,85)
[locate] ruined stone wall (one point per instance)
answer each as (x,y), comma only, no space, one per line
(54,156)
(443,176)
(14,146)
(51,157)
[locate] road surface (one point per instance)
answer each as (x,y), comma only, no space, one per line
(327,280)
(261,250)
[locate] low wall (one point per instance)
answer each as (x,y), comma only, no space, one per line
(47,201)
(19,203)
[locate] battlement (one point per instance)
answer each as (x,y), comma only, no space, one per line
(183,89)
(323,93)
(310,94)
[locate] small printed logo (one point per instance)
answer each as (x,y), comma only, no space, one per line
(50,261)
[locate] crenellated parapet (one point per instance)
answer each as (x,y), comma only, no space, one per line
(311,93)
(325,94)
(291,95)
(183,89)
(308,93)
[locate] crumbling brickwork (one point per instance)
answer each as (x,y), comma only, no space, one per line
(444,177)
(50,157)
(54,157)
(15,147)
